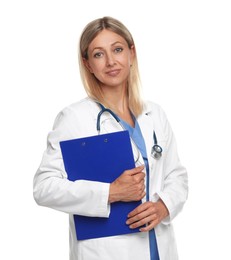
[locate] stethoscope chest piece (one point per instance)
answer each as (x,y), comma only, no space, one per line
(156,149)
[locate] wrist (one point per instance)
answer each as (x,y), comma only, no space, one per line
(165,211)
(113,197)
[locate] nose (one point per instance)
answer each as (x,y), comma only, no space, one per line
(110,60)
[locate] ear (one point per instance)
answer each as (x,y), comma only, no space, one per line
(87,65)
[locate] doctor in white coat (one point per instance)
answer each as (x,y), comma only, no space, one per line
(109,70)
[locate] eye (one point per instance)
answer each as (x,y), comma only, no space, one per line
(98,55)
(118,49)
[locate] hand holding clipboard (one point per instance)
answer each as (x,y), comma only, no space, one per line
(100,158)
(129,186)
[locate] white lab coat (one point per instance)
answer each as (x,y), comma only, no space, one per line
(168,181)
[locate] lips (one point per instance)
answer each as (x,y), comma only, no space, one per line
(113,73)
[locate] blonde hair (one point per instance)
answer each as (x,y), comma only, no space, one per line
(90,82)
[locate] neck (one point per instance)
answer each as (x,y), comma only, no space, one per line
(116,99)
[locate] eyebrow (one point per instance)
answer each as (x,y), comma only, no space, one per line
(114,43)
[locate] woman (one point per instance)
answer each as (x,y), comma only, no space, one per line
(109,70)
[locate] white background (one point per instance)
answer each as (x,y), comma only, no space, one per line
(185,63)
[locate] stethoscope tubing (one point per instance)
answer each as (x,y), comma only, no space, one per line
(103,109)
(156,149)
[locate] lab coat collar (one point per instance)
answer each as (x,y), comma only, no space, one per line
(109,124)
(147,127)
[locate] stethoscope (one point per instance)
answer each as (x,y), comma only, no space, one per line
(156,151)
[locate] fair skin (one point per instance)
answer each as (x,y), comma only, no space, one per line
(110,59)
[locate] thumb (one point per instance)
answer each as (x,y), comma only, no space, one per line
(137,170)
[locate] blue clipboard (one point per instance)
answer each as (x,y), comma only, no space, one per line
(100,158)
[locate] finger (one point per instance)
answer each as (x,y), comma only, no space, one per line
(144,206)
(149,226)
(139,177)
(138,214)
(136,211)
(136,170)
(146,221)
(143,194)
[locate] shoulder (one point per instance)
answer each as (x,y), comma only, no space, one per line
(76,114)
(153,109)
(158,116)
(75,120)
(81,106)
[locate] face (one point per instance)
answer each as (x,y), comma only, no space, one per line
(110,59)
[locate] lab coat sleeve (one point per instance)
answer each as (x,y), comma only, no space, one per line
(174,192)
(51,186)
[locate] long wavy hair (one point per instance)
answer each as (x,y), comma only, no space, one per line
(90,82)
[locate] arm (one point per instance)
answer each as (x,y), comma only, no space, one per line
(169,200)
(51,186)
(175,187)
